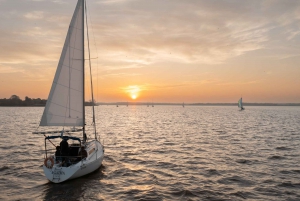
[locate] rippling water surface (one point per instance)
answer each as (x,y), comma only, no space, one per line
(163,153)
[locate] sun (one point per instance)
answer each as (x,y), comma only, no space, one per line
(133,91)
(133,96)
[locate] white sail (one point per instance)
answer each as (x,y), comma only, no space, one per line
(240,104)
(65,104)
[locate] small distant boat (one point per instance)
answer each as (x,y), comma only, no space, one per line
(240,104)
(65,107)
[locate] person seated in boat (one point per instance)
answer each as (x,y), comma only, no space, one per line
(57,154)
(64,149)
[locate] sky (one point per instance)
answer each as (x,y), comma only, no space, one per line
(159,50)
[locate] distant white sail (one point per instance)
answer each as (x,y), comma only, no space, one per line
(240,104)
(65,104)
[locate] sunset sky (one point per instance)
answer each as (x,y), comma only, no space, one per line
(159,50)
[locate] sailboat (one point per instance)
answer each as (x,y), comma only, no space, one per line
(65,107)
(240,104)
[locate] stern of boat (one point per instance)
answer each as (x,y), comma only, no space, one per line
(58,174)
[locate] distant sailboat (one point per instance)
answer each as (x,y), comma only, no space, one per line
(240,104)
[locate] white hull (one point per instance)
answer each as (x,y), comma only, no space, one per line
(58,174)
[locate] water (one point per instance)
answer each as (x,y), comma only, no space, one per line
(164,153)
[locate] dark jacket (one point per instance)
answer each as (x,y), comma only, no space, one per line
(64,148)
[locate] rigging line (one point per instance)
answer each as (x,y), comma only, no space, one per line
(92,31)
(50,141)
(70,65)
(95,44)
(85,2)
(87,32)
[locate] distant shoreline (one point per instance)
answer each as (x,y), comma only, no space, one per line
(171,104)
(16,101)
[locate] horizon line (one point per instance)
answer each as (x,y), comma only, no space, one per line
(195,103)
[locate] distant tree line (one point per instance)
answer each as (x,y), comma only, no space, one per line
(15,100)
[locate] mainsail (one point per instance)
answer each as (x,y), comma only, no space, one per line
(65,104)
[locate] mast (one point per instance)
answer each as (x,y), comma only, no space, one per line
(90,65)
(69,35)
(83,65)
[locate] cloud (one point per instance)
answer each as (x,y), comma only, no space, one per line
(143,33)
(22,51)
(35,15)
(185,32)
(207,32)
(59,1)
(4,69)
(135,34)
(117,75)
(240,83)
(113,1)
